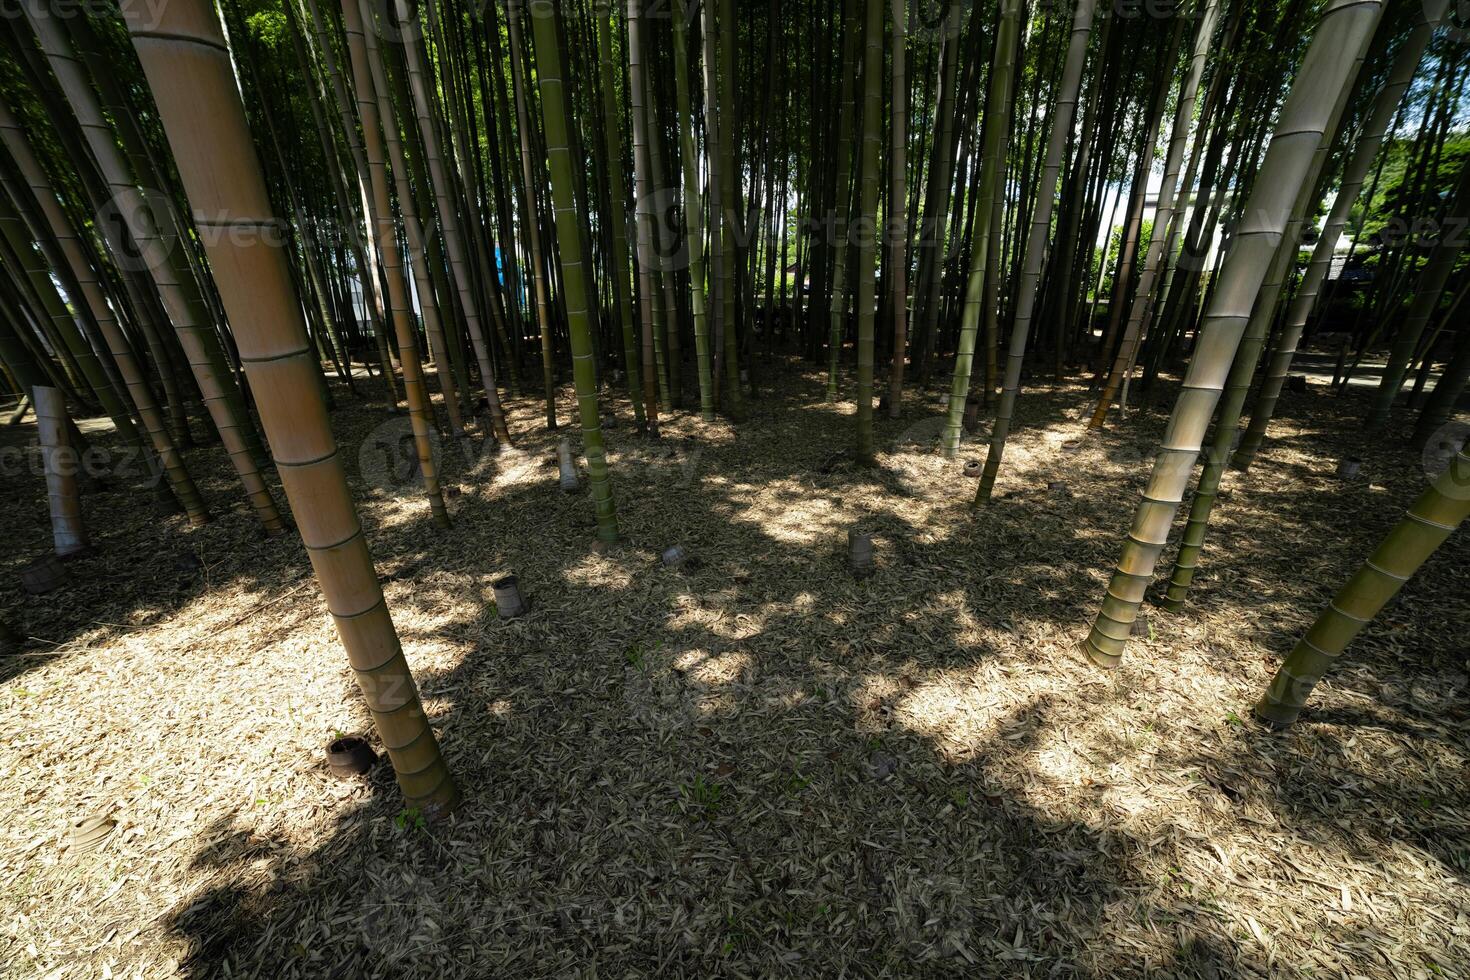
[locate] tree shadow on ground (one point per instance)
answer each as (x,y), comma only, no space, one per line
(763,764)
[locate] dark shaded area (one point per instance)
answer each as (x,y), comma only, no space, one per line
(693,808)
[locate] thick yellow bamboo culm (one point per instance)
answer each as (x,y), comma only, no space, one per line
(180,294)
(1345,28)
(136,382)
(416,393)
(59,458)
(183,53)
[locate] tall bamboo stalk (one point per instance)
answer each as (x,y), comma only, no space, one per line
(368,267)
(1345,26)
(619,261)
(188,68)
(664,245)
(933,229)
(1237,384)
(531,230)
(867,252)
(557,123)
(653,377)
(134,379)
(1143,296)
(730,223)
(420,263)
(420,411)
(1064,106)
(1429,521)
(718,141)
(454,239)
(897,217)
(179,294)
(1365,150)
(837,301)
(992,174)
(693,212)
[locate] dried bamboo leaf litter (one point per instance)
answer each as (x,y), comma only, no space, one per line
(760,765)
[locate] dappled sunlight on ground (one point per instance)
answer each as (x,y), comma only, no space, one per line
(755,764)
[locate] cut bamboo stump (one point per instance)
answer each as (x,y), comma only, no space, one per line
(567,467)
(860,553)
(349,756)
(61,464)
(509,602)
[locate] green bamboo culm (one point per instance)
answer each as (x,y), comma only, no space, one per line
(621,266)
(1446,395)
(720,128)
(868,224)
(837,304)
(574,271)
(1066,106)
(1237,385)
(693,213)
(1345,26)
(655,382)
(1439,510)
(1141,310)
(1365,150)
(529,219)
(992,171)
(1427,292)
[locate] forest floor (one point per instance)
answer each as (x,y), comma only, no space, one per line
(760,766)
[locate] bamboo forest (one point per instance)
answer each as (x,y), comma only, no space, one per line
(734,488)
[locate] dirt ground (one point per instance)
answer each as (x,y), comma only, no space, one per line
(760,766)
